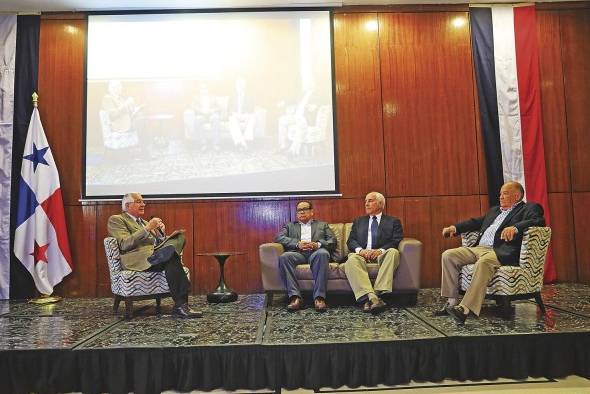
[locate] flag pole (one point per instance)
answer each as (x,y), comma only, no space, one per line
(43,298)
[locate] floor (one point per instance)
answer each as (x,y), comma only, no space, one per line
(91,324)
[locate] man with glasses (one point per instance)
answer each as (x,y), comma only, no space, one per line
(374,238)
(139,242)
(306,241)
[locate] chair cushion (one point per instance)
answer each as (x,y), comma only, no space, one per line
(508,280)
(338,229)
(336,271)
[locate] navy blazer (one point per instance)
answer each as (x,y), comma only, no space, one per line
(389,233)
(522,216)
(290,235)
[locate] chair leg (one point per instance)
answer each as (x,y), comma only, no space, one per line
(506,308)
(540,302)
(158,302)
(116,302)
(128,308)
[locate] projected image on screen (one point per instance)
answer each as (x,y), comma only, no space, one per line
(209,104)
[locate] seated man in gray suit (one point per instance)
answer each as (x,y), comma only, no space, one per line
(501,228)
(374,238)
(306,241)
(139,241)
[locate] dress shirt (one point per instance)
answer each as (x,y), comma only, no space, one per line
(369,240)
(306,233)
(487,239)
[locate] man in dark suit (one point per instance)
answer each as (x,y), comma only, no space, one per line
(374,238)
(501,229)
(306,241)
(137,239)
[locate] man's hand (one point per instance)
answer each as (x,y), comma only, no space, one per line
(508,233)
(448,232)
(306,246)
(370,254)
(155,223)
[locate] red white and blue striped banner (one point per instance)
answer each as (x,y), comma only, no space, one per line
(506,58)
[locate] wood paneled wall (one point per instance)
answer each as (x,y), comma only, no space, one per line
(408,126)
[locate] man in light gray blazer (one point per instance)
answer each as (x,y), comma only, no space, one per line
(306,241)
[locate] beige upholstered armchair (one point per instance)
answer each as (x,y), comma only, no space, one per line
(514,283)
(405,284)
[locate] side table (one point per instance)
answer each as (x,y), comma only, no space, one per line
(222,293)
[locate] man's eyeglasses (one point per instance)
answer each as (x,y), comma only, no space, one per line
(303,209)
(139,201)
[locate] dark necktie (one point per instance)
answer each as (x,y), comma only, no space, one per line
(138,220)
(374,225)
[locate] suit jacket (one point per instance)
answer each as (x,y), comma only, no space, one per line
(389,233)
(135,244)
(522,216)
(290,235)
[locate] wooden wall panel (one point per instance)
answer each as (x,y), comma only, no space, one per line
(428,104)
(412,145)
(235,226)
(81,222)
(575,37)
(563,236)
(553,102)
(61,90)
(358,104)
(581,202)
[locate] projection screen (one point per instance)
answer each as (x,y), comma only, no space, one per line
(209,104)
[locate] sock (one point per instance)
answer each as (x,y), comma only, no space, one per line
(465,309)
(372,297)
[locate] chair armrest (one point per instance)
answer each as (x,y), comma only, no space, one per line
(469,238)
(407,275)
(269,266)
(535,243)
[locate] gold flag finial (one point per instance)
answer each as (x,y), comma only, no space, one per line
(35,99)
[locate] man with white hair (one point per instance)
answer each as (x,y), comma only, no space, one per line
(139,242)
(374,238)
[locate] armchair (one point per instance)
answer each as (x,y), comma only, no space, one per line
(510,282)
(133,285)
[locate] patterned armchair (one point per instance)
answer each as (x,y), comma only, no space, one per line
(514,282)
(133,285)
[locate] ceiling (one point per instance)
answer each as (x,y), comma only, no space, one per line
(35,6)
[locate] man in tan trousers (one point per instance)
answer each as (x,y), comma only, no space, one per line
(501,229)
(374,238)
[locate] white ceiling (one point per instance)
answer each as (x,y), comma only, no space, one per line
(24,6)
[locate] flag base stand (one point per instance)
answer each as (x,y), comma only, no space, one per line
(45,299)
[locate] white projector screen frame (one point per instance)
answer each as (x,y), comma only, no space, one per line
(210,104)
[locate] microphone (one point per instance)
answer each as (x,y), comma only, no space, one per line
(158,229)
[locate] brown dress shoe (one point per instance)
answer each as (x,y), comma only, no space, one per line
(320,304)
(294,304)
(367,307)
(377,306)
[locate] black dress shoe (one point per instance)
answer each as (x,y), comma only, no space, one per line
(294,304)
(378,306)
(366,307)
(457,313)
(184,311)
(442,311)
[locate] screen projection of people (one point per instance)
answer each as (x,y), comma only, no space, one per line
(209,104)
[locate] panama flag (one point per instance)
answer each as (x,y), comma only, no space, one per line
(506,59)
(41,239)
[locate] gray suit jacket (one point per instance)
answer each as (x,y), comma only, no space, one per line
(290,235)
(135,244)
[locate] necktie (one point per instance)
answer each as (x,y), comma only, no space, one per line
(138,220)
(374,225)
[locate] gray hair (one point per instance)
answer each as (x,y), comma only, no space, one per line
(127,199)
(380,199)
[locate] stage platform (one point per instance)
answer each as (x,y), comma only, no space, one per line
(254,343)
